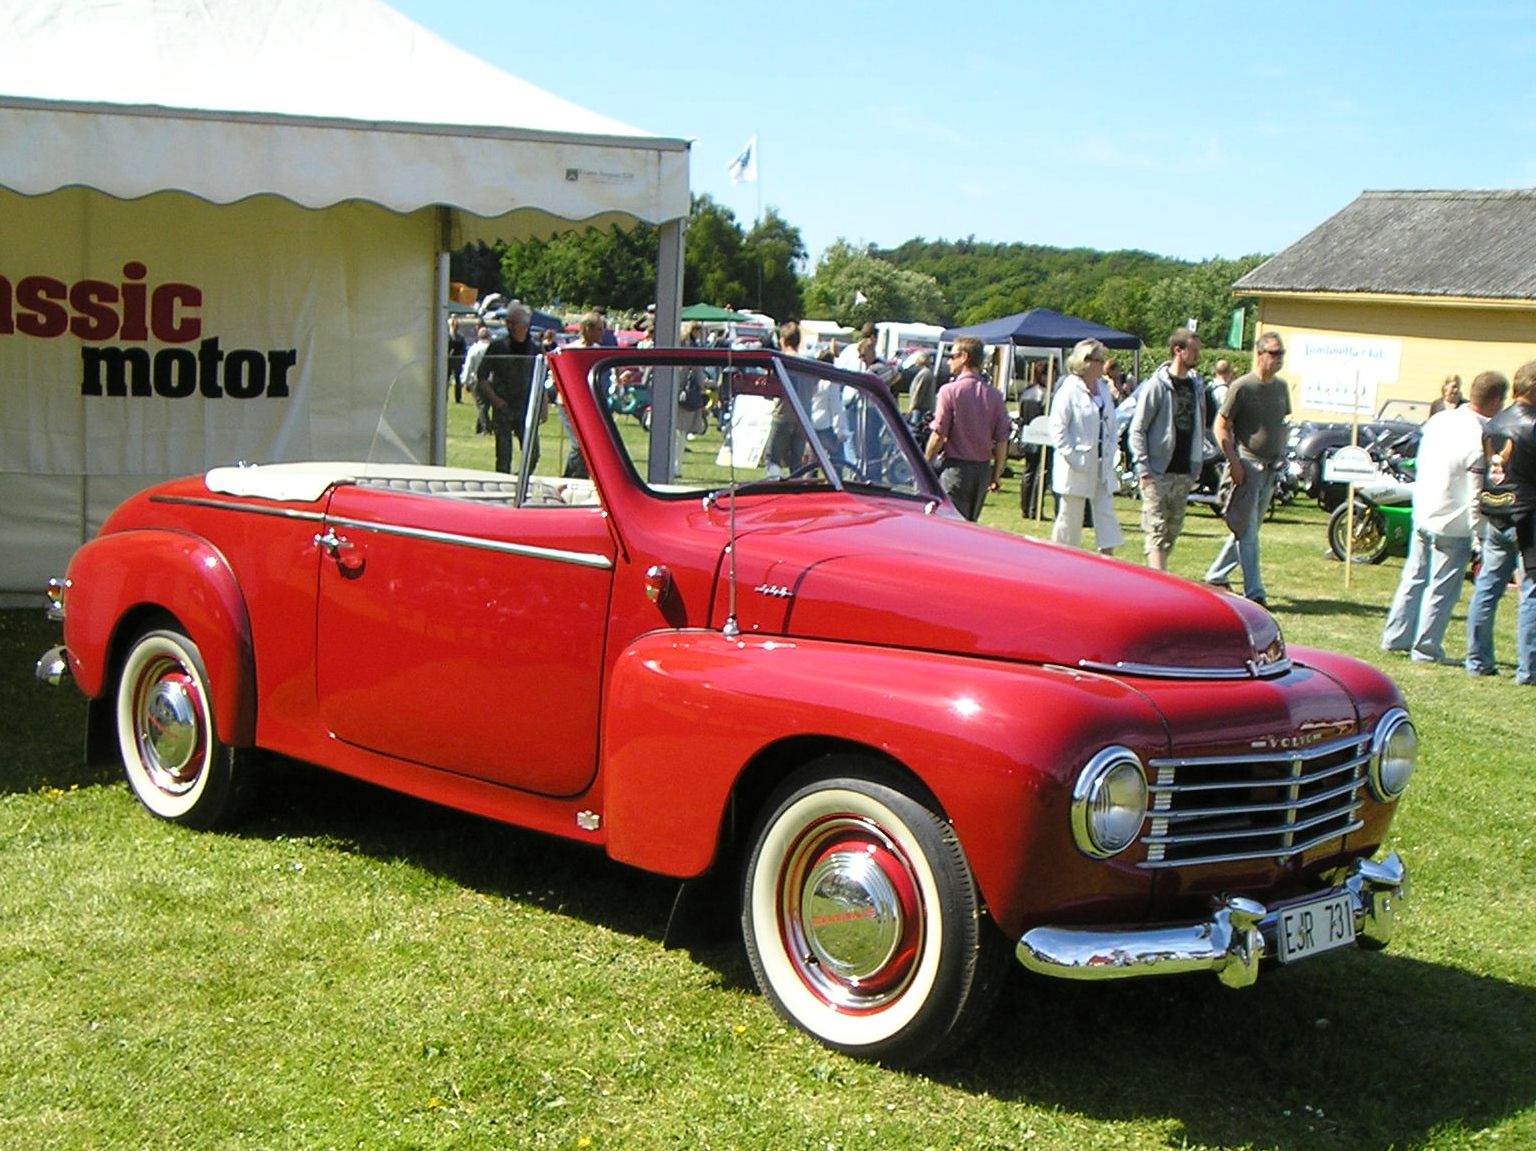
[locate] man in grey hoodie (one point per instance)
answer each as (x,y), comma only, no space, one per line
(1167,444)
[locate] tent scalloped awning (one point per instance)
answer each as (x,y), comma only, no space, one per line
(316,103)
(226,157)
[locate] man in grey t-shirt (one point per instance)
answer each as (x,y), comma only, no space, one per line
(1250,428)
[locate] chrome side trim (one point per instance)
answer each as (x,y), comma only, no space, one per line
(231,506)
(1249,670)
(557,555)
(1229,944)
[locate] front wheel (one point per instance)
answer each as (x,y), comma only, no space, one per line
(1370,535)
(172,755)
(862,920)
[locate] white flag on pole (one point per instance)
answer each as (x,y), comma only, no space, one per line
(744,167)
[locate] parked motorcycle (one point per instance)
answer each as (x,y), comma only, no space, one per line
(631,396)
(1383,511)
(1311,444)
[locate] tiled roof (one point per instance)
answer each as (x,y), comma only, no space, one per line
(1470,244)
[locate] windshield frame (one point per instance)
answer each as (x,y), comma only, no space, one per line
(823,472)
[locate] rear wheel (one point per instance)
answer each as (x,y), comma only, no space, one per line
(172,755)
(862,920)
(1370,533)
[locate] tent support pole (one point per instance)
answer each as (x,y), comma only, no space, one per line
(665,332)
(438,432)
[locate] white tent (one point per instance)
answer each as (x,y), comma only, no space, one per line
(223,235)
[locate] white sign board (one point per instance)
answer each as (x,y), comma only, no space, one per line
(1341,374)
(748,439)
(1349,465)
(1037,431)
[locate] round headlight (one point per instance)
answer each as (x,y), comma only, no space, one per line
(1109,803)
(1395,751)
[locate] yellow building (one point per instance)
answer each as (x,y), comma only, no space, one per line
(1398,291)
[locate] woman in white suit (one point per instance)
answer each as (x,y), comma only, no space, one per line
(1083,434)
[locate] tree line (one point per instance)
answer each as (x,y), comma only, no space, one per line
(948,282)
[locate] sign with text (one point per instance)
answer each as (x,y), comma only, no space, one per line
(1349,465)
(1342,373)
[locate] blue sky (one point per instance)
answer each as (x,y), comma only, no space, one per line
(1196,131)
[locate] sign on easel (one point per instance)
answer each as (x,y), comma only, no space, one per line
(747,441)
(1350,465)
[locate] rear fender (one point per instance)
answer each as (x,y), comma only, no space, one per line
(118,583)
(997,745)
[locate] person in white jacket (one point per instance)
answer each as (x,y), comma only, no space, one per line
(1083,435)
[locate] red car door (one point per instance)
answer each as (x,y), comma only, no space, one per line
(464,636)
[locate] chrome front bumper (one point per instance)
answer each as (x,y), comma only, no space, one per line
(53,668)
(1239,933)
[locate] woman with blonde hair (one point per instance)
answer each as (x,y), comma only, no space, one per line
(1450,395)
(1083,434)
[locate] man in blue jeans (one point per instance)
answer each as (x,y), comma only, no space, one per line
(1250,429)
(1509,443)
(1449,475)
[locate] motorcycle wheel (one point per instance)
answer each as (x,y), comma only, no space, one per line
(1370,533)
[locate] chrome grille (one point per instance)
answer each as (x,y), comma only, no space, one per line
(1271,805)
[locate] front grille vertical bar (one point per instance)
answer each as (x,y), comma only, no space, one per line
(1293,793)
(1247,805)
(1162,803)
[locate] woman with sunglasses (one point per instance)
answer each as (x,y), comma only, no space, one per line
(1083,434)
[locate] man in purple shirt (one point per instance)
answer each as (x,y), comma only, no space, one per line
(970,429)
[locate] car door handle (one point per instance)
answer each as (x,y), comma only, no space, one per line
(334,545)
(331,542)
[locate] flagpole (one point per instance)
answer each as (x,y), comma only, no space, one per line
(758,222)
(745,167)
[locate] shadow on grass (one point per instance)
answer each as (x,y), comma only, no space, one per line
(42,728)
(305,802)
(1356,1051)
(1295,605)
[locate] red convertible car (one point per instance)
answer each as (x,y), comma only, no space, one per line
(776,655)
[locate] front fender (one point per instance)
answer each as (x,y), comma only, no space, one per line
(118,578)
(997,744)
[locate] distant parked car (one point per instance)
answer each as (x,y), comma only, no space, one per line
(901,747)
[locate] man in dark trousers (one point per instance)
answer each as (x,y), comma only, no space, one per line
(1031,408)
(970,429)
(457,346)
(505,375)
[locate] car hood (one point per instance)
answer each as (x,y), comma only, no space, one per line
(950,586)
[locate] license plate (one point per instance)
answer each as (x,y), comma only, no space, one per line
(1319,925)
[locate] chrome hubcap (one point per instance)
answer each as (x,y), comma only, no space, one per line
(851,914)
(170,728)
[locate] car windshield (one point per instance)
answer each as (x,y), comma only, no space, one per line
(760,423)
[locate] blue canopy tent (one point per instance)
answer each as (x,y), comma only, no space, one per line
(1043,328)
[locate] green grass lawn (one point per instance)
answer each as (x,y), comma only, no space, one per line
(354,969)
